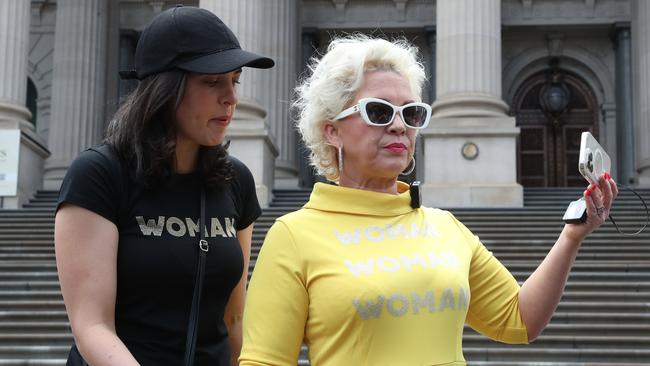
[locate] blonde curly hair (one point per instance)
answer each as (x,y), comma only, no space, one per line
(334,80)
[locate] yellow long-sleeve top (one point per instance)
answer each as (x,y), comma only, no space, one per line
(364,279)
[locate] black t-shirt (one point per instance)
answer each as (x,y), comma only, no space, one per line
(158,252)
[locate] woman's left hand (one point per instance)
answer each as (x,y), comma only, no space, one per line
(599,199)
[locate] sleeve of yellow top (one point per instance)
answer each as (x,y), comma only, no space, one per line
(494,305)
(276,304)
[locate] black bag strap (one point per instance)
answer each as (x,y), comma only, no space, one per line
(192,328)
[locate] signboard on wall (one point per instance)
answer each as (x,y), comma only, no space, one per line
(9,151)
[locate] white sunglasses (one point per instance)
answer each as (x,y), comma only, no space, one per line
(378,112)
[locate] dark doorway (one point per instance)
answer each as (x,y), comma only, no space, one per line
(32,100)
(549,144)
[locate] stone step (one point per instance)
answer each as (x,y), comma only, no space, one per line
(520,219)
(590,317)
(51,205)
(576,284)
(609,239)
(589,355)
(626,202)
(520,272)
(42,198)
(50,327)
(33,295)
(23,236)
(608,287)
(607,297)
(528,195)
(571,342)
(48,360)
(565,306)
(55,294)
(45,197)
(28,266)
(580,333)
(28,276)
(586,265)
(263,224)
(595,276)
(580,330)
(29,285)
(27,256)
(25,245)
(605,257)
(27,212)
(26,242)
(24,339)
(557,363)
(588,253)
(34,354)
(497,354)
(14,315)
(536,211)
(30,305)
(21,223)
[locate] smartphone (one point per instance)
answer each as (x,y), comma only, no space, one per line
(593,161)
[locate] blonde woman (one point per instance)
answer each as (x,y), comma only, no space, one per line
(358,273)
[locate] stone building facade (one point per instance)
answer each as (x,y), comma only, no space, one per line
(512,84)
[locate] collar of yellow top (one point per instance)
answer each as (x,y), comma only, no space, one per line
(328,197)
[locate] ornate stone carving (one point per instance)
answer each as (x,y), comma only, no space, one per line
(37,8)
(553,12)
(400,4)
(340,4)
(157,6)
(555,44)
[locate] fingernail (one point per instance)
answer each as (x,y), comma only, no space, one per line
(607,176)
(588,193)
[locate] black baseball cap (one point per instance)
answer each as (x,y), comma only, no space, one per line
(191,39)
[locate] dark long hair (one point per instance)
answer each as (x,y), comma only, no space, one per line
(143,133)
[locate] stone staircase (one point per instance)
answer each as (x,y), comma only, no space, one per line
(603,319)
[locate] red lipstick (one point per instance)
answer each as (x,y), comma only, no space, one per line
(396,147)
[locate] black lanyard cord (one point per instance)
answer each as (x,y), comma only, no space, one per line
(647,213)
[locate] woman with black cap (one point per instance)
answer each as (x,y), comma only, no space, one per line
(153,228)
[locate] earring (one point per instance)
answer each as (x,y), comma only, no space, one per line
(340,157)
(409,171)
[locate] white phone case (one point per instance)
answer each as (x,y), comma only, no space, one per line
(593,161)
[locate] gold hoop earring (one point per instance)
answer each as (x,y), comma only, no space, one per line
(409,171)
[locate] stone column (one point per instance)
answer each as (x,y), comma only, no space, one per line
(641,85)
(280,41)
(112,64)
(431,40)
(14,40)
(470,145)
(420,169)
(14,115)
(251,138)
(469,65)
(78,83)
(128,41)
(608,135)
(624,105)
(306,176)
